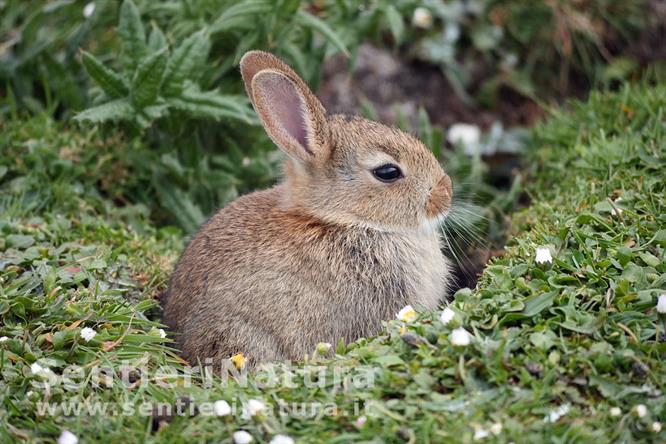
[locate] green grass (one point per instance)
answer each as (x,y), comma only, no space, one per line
(581,332)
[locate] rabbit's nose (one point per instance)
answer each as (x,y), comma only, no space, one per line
(440,197)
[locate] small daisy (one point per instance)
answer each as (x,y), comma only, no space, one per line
(360,421)
(162,333)
(496,428)
(407,314)
(656,427)
(67,437)
(661,304)
(543,256)
(460,337)
(282,439)
(556,414)
(615,411)
(422,18)
(242,437)
(222,408)
(641,410)
(87,334)
(619,210)
(466,135)
(252,408)
(447,316)
(88,9)
(36,369)
(480,434)
(4,338)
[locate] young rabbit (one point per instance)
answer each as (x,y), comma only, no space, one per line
(348,238)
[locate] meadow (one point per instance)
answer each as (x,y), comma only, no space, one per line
(124,126)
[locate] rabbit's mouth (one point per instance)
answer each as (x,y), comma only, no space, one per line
(439,201)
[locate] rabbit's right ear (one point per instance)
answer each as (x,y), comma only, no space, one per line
(291,114)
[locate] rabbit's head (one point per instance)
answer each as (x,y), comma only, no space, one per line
(344,170)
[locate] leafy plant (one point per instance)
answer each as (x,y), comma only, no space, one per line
(39,42)
(155,83)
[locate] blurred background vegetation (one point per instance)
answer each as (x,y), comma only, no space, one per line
(159,80)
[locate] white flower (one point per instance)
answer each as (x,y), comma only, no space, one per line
(38,370)
(88,333)
(447,315)
(615,411)
(460,337)
(360,421)
(252,408)
(543,255)
(656,427)
(496,428)
(242,437)
(661,304)
(466,135)
(282,439)
(67,437)
(162,333)
(451,32)
(556,414)
(422,18)
(89,9)
(480,434)
(221,407)
(4,338)
(616,211)
(407,314)
(641,410)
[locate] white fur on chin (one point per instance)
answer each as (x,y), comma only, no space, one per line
(434,224)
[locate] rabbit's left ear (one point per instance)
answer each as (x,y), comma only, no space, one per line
(291,114)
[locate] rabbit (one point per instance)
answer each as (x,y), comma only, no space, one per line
(348,238)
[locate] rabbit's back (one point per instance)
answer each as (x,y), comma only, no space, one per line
(272,283)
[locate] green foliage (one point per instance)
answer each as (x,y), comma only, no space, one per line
(535,48)
(539,48)
(168,72)
(78,247)
(38,67)
(555,346)
(154,84)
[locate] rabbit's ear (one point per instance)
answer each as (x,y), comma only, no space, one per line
(291,114)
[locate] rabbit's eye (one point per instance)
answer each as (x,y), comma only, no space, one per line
(387,173)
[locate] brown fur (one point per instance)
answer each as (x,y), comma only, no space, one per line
(327,254)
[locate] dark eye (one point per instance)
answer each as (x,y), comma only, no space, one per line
(387,173)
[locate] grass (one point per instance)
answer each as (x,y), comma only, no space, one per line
(557,346)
